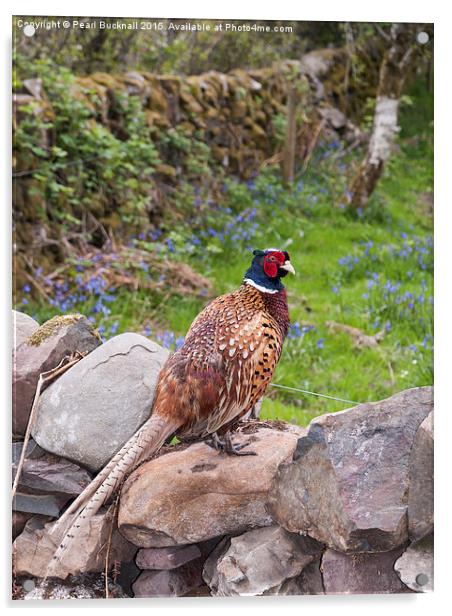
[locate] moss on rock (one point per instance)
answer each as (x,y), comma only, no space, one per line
(53,325)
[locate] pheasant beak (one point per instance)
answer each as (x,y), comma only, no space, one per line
(288,267)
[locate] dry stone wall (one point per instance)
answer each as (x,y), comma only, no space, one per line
(344,506)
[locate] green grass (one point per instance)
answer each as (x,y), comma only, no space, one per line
(310,223)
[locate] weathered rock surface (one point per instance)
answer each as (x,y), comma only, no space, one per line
(195,494)
(361,573)
(309,582)
(420,494)
(259,562)
(23,326)
(170,583)
(347,485)
(52,474)
(43,504)
(95,407)
(415,566)
(18,520)
(42,351)
(33,450)
(166,558)
(87,586)
(34,548)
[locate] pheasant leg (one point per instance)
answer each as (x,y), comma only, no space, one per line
(227,446)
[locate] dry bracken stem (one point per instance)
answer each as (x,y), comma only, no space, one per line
(110,535)
(44,378)
(313,143)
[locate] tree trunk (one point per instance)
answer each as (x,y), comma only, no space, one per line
(288,162)
(393,72)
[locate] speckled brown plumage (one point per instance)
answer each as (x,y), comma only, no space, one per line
(226,362)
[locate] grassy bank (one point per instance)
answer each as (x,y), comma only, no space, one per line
(369,270)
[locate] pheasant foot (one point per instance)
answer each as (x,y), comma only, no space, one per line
(226,445)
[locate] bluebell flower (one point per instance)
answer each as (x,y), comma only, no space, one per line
(26,288)
(170,244)
(295,330)
(335,289)
(320,343)
(114,327)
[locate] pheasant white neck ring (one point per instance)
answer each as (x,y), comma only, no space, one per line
(259,287)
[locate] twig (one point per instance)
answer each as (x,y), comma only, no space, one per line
(273,160)
(391,373)
(382,33)
(354,144)
(313,143)
(110,535)
(44,378)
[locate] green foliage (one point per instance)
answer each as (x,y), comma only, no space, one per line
(160,50)
(387,289)
(86,166)
(368,274)
(279,123)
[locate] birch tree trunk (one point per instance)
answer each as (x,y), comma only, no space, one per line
(393,72)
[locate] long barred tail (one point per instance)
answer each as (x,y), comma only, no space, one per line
(146,441)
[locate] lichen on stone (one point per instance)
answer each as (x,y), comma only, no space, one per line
(50,327)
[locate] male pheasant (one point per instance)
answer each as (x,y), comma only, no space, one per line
(223,368)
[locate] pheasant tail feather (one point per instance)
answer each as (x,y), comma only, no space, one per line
(146,441)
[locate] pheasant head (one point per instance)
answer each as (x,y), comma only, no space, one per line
(267,269)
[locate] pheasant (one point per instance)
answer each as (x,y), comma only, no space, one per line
(223,368)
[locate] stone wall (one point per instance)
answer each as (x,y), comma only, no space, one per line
(234,115)
(342,506)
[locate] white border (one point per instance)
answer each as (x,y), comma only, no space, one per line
(328,10)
